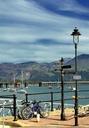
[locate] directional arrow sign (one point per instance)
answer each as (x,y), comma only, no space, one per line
(66,66)
(69,72)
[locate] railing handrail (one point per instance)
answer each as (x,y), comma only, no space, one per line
(51,100)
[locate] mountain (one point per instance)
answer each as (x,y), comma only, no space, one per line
(82,62)
(35,71)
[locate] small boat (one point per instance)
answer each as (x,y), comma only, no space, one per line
(12,89)
(5,89)
(50,87)
(22,91)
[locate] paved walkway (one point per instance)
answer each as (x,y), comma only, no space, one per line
(53,121)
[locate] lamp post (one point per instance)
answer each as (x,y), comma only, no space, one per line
(76,35)
(62,90)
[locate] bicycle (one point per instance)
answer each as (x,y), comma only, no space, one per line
(34,108)
(21,104)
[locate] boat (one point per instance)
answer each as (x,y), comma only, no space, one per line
(22,91)
(50,87)
(5,89)
(12,89)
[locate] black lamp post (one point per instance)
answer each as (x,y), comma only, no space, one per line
(62,91)
(76,35)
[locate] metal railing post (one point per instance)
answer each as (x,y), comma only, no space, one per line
(26,98)
(51,101)
(14,106)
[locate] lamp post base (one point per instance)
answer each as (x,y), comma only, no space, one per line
(76,121)
(63,116)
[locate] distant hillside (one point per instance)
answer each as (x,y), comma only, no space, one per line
(42,71)
(82,62)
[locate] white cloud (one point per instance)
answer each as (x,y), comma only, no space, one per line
(25,22)
(73,6)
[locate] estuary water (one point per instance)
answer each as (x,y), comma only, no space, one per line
(20,93)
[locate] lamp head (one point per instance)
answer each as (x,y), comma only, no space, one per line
(75,35)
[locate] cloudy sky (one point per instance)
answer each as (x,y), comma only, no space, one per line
(39,30)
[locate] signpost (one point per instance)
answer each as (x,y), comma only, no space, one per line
(64,69)
(62,86)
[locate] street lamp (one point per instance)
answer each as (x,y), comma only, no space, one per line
(62,90)
(76,35)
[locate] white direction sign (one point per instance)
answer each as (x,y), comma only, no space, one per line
(76,77)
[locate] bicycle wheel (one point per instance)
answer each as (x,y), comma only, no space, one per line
(27,113)
(20,111)
(44,111)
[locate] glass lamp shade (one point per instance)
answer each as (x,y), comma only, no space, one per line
(75,35)
(75,39)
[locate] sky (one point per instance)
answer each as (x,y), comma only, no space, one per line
(39,30)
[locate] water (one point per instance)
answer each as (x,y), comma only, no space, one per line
(56,96)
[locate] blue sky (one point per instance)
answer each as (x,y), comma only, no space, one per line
(39,30)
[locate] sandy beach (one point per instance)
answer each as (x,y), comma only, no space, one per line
(52,121)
